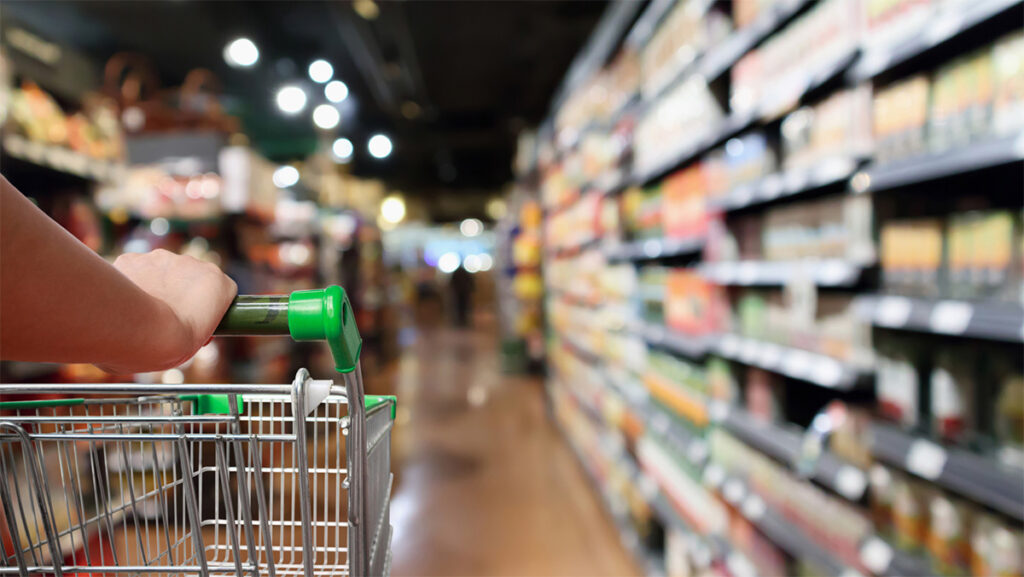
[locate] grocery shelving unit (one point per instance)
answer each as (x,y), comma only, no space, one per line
(593,348)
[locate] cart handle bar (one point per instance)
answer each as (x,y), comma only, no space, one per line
(308,315)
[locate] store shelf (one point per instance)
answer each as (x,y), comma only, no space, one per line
(787,184)
(822,272)
(786,445)
(799,364)
(997,321)
(724,55)
(60,159)
(787,94)
(650,563)
(979,156)
(681,154)
(692,346)
(882,559)
(938,30)
(975,477)
(656,248)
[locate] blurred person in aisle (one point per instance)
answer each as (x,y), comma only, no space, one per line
(461,286)
(61,302)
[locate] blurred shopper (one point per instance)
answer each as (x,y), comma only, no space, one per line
(461,286)
(61,302)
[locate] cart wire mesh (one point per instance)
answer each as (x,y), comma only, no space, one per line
(201,479)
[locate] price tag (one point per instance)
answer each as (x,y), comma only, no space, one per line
(714,475)
(697,452)
(753,508)
(893,312)
(749,350)
(652,248)
(729,346)
(951,317)
(746,273)
(827,372)
(876,555)
(834,272)
(851,482)
(742,196)
(739,566)
(661,424)
(647,487)
(718,411)
(796,180)
(771,186)
(733,491)
(770,355)
(926,459)
(944,28)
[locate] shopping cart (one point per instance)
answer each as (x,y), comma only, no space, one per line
(208,479)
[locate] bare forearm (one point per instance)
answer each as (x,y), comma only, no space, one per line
(61,302)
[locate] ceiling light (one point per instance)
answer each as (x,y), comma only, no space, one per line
(291,99)
(241,53)
(342,149)
(286,176)
(471,227)
(380,146)
(393,209)
(486,262)
(336,91)
(326,116)
(321,71)
(448,262)
(496,208)
(471,263)
(368,9)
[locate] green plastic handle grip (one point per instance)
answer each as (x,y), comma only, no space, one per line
(310,315)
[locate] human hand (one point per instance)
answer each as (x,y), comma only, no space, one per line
(190,296)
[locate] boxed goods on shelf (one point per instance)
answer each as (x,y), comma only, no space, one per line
(774,75)
(957,537)
(900,115)
(835,525)
(967,100)
(684,210)
(742,160)
(688,29)
(890,21)
(835,128)
(641,212)
(693,306)
(685,115)
(969,256)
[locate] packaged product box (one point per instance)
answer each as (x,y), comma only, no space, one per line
(1008,85)
(1008,418)
(909,512)
(721,381)
(952,387)
(911,254)
(764,395)
(979,78)
(684,210)
(882,493)
(997,547)
(948,540)
(992,253)
(896,384)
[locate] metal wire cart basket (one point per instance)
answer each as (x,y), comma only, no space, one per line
(206,479)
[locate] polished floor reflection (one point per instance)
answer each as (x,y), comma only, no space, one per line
(485,485)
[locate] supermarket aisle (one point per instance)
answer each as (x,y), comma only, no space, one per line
(484,483)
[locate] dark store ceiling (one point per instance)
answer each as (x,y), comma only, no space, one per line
(450,82)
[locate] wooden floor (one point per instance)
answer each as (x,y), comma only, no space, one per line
(485,485)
